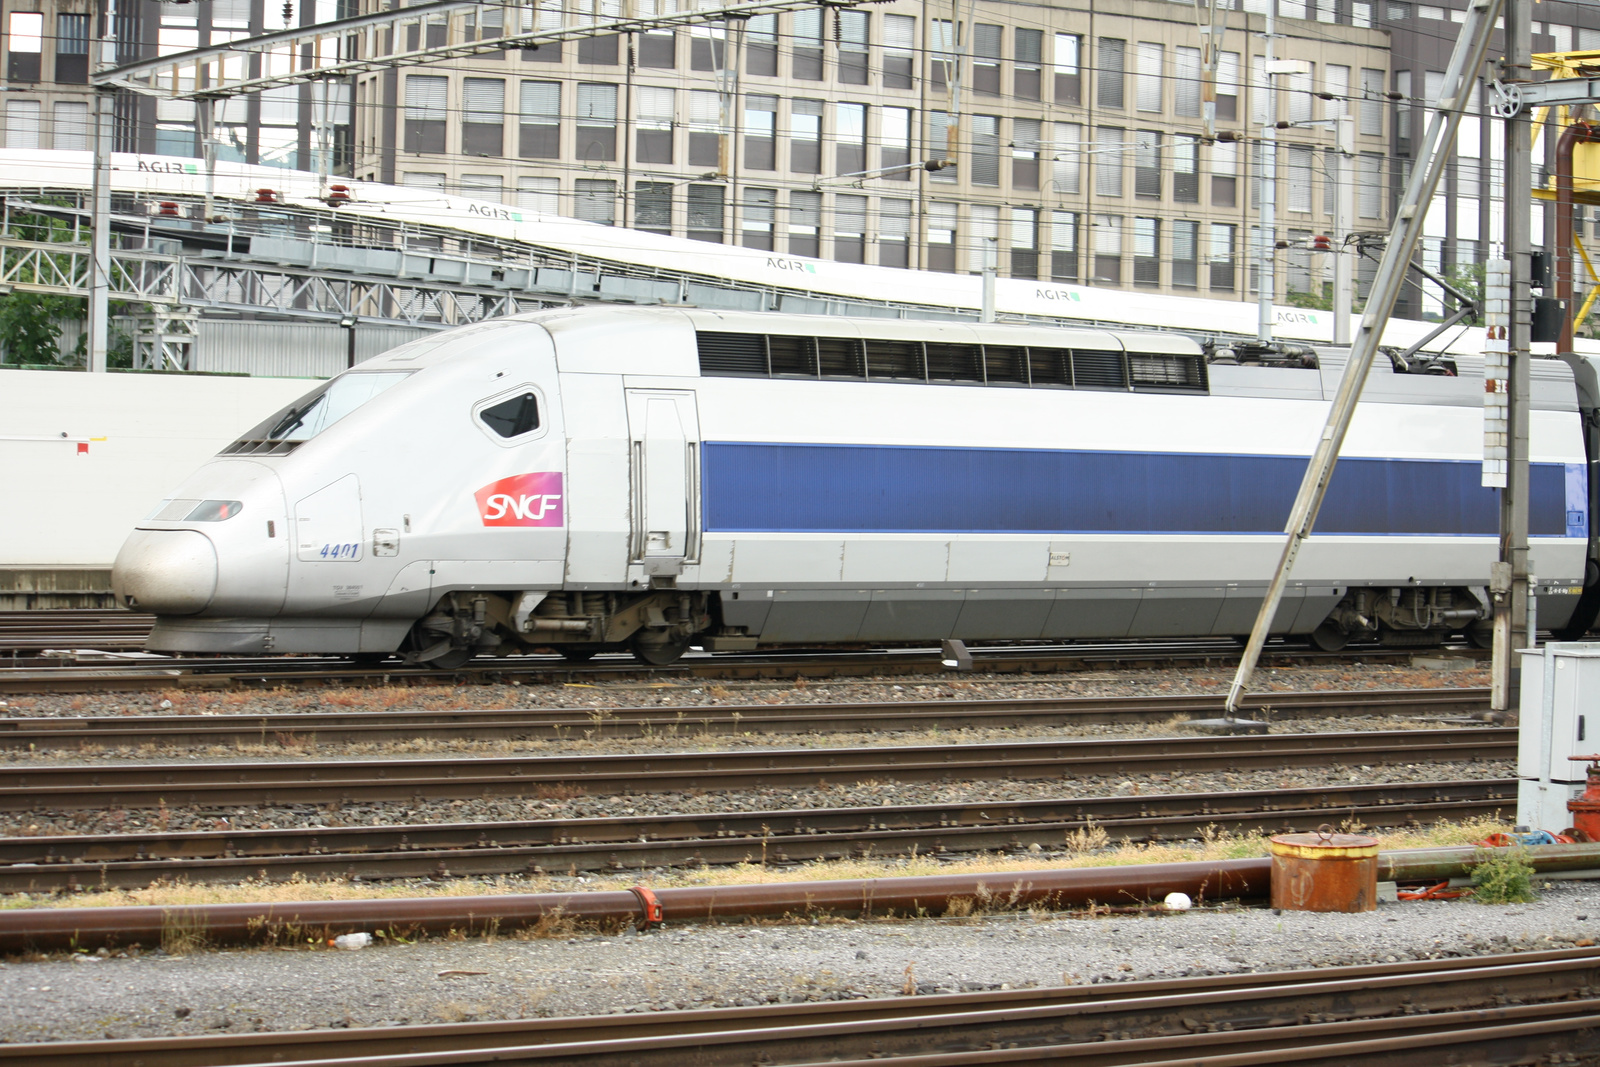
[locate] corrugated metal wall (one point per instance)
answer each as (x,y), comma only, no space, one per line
(291,349)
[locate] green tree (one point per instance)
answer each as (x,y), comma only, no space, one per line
(30,323)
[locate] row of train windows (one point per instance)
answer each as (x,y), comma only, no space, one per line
(754,355)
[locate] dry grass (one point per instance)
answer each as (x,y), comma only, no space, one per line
(1216,845)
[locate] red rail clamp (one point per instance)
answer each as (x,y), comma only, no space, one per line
(651,906)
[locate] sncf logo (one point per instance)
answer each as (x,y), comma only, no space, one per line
(522,500)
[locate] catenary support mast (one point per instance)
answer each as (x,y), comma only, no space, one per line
(1433,153)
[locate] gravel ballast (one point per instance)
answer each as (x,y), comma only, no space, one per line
(692,966)
(683,966)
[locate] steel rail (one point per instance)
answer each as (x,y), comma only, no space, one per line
(321,727)
(367,853)
(774,664)
(214,1050)
(36,787)
(57,929)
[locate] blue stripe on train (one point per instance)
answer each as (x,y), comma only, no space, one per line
(884,489)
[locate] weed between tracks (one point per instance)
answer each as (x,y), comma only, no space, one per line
(1085,848)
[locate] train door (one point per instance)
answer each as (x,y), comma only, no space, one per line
(664,436)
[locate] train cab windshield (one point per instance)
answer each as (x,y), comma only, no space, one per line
(315,412)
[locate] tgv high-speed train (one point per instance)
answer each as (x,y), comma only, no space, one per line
(599,478)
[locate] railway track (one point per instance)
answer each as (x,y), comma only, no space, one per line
(367,853)
(301,729)
(1524,1008)
(95,673)
(205,785)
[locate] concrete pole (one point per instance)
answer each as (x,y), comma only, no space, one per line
(1267,224)
(1344,206)
(1509,584)
(100,199)
(991,253)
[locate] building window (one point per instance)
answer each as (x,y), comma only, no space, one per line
(1219,255)
(542,195)
(805,224)
(1063,246)
(1024,242)
(426,97)
(1224,175)
(1186,83)
(71,133)
(1109,145)
(942,233)
(899,40)
(705,213)
(941,51)
(984,223)
(1025,153)
(1147,164)
(1066,170)
(939,147)
(1300,85)
(542,15)
(1370,117)
(850,139)
(595,200)
(1185,153)
(807,59)
(760,132)
(539,132)
(757,217)
(24,45)
(805,136)
(850,229)
(1371,188)
(72,49)
(652,207)
(423,180)
(1298,259)
(987,41)
(1147,252)
(653,140)
(894,133)
(1068,70)
(761,46)
(1147,79)
(985,150)
(597,123)
(1185,254)
(658,50)
(1300,170)
(1336,84)
(707,48)
(22,124)
(894,232)
(853,42)
(1228,86)
(1108,84)
(705,129)
(1027,77)
(1108,249)
(483,103)
(490,187)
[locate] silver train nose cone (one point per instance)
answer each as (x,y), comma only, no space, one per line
(165,572)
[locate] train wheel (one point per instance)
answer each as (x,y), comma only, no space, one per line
(1481,635)
(577,653)
(657,650)
(1329,638)
(449,661)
